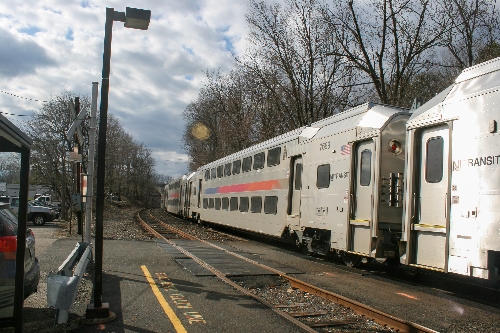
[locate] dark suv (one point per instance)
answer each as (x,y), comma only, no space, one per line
(8,247)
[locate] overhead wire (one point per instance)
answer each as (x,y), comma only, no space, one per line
(26,98)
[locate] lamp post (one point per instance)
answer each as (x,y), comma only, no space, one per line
(136,19)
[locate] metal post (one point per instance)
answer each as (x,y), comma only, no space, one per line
(64,214)
(79,212)
(21,240)
(101,310)
(101,158)
(90,172)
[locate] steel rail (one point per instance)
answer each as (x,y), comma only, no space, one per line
(379,317)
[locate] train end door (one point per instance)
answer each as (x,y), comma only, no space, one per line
(361,198)
(295,190)
(429,225)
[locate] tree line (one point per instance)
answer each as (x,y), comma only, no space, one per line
(129,172)
(309,59)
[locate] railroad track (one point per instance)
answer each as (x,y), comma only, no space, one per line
(168,233)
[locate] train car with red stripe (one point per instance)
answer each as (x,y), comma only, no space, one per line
(330,186)
(177,194)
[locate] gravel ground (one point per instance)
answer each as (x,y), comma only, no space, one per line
(278,292)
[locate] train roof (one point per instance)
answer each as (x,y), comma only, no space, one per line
(366,118)
(277,140)
(186,176)
(475,80)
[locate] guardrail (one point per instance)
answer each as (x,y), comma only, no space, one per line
(62,286)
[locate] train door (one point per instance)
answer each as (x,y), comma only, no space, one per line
(187,206)
(199,193)
(295,188)
(362,198)
(181,201)
(431,198)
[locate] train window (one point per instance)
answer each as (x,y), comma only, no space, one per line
(244,204)
(225,203)
(233,203)
(273,156)
(247,164)
(323,176)
(213,174)
(365,171)
(207,174)
(298,176)
(205,203)
(271,205)
(217,203)
(256,204)
(219,171)
(211,203)
(236,167)
(434,160)
(259,160)
(227,169)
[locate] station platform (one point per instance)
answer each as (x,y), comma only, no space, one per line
(150,291)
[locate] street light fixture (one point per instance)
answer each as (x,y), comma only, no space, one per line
(136,19)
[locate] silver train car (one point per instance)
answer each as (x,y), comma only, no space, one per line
(452,193)
(376,181)
(298,186)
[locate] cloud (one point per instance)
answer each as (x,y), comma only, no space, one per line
(57,45)
(21,56)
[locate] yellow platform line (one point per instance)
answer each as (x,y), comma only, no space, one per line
(168,310)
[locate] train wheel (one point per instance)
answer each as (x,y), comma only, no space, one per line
(350,259)
(410,270)
(392,262)
(305,250)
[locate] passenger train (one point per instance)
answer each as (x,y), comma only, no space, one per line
(420,187)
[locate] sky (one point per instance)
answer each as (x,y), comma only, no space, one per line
(51,46)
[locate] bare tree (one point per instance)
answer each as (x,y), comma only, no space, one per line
(389,41)
(129,165)
(48,128)
(10,165)
(289,60)
(472,31)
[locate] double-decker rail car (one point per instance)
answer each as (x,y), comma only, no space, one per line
(452,195)
(177,194)
(335,185)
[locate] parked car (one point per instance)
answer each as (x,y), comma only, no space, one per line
(8,248)
(37,214)
(4,199)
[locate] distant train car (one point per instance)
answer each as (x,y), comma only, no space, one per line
(177,195)
(452,195)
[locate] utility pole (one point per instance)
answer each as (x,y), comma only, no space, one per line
(79,212)
(64,214)
(90,171)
